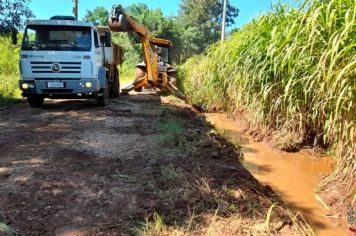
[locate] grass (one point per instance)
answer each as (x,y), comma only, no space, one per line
(4,228)
(9,91)
(291,70)
(9,74)
(169,133)
(172,127)
(152,228)
(127,74)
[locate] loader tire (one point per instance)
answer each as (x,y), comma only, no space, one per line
(138,90)
(139,73)
(173,78)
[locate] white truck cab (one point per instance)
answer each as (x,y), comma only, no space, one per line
(65,58)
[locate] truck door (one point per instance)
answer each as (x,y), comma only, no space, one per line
(98,54)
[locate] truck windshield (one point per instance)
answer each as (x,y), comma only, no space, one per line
(56,38)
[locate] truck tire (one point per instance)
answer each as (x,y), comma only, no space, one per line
(103,100)
(35,101)
(115,88)
(139,73)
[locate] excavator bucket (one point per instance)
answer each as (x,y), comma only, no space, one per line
(117,21)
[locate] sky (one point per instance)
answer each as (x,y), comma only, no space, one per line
(44,9)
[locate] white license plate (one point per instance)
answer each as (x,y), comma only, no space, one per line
(55,85)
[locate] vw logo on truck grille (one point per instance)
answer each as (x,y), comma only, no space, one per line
(56,67)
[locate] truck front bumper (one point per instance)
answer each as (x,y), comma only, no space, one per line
(70,88)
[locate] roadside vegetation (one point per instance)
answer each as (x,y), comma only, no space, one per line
(291,71)
(8,70)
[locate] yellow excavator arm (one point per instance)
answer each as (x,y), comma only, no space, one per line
(121,22)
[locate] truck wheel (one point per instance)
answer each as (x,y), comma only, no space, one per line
(115,89)
(103,100)
(35,101)
(139,73)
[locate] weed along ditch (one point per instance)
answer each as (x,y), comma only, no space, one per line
(291,175)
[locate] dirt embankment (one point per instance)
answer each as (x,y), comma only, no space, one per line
(139,166)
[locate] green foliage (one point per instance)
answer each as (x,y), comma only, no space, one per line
(13,13)
(160,26)
(99,15)
(9,88)
(8,57)
(132,49)
(4,228)
(205,15)
(8,70)
(152,228)
(290,70)
(132,56)
(127,74)
(152,18)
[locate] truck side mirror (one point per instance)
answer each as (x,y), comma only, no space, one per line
(14,36)
(107,39)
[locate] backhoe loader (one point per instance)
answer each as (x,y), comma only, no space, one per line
(156,71)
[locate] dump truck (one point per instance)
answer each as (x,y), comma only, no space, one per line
(156,71)
(65,58)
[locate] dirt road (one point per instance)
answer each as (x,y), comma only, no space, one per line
(138,166)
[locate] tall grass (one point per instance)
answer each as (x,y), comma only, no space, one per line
(292,71)
(9,74)
(127,73)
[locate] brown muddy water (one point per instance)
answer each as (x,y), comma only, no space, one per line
(292,175)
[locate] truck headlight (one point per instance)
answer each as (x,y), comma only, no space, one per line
(88,84)
(25,86)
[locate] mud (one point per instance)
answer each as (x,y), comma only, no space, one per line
(71,168)
(292,175)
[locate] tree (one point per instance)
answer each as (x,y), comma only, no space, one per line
(158,24)
(167,28)
(206,15)
(13,14)
(99,16)
(153,19)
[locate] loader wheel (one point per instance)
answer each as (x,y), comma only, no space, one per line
(115,88)
(35,101)
(173,77)
(139,73)
(103,100)
(138,90)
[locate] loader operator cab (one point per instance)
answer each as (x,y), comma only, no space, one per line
(163,55)
(162,48)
